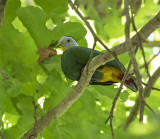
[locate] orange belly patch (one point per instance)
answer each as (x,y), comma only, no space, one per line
(110,74)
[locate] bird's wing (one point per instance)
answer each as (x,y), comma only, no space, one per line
(70,66)
(74,59)
(82,54)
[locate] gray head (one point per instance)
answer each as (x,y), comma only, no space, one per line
(67,42)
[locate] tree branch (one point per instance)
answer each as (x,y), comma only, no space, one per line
(2,8)
(139,81)
(152,58)
(153,88)
(97,61)
(151,44)
(136,69)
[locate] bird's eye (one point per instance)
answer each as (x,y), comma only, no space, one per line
(68,40)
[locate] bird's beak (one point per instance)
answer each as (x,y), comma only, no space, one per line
(60,45)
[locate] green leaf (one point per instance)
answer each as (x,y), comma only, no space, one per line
(74,29)
(18,49)
(34,19)
(25,122)
(25,106)
(88,102)
(52,131)
(82,42)
(8,134)
(28,89)
(124,58)
(17,24)
(124,95)
(10,10)
(58,88)
(10,118)
(6,103)
(52,6)
(52,63)
(109,91)
(153,99)
(112,28)
(100,29)
(15,88)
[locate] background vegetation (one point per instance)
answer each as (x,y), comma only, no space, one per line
(29,89)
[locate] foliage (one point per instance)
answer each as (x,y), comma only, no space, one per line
(31,89)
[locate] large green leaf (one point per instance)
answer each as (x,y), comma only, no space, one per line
(25,122)
(18,49)
(15,88)
(18,133)
(109,91)
(34,19)
(11,7)
(25,105)
(52,6)
(74,29)
(88,102)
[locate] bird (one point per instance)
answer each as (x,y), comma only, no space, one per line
(75,57)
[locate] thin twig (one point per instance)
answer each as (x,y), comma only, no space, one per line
(128,21)
(35,109)
(153,88)
(136,70)
(150,109)
(111,125)
(156,116)
(140,43)
(110,117)
(139,82)
(142,66)
(5,77)
(152,58)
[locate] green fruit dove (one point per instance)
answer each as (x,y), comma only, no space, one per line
(74,59)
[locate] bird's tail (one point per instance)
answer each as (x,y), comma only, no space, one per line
(130,83)
(101,83)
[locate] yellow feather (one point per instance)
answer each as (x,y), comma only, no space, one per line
(110,74)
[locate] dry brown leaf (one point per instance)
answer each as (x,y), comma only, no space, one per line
(45,53)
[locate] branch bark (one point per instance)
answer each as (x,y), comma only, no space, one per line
(66,103)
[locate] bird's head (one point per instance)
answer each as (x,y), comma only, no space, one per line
(66,42)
